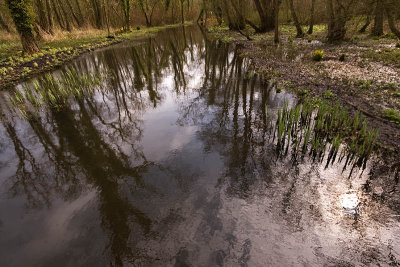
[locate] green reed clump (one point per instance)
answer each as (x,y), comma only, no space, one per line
(49,91)
(322,128)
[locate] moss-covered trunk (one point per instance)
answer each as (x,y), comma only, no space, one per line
(21,13)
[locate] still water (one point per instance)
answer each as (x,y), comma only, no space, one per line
(173,165)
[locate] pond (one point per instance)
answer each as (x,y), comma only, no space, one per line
(172,163)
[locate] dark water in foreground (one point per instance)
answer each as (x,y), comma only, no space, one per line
(173,166)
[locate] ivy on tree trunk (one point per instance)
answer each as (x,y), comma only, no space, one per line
(21,13)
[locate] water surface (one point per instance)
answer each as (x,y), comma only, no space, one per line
(173,165)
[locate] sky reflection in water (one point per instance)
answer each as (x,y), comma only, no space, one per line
(173,165)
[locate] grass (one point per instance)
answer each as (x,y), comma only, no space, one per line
(61,39)
(388,56)
(318,128)
(10,44)
(221,33)
(329,94)
(365,84)
(392,115)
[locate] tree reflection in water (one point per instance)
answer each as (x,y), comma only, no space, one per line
(201,87)
(95,139)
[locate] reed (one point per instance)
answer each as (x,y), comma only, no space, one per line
(49,91)
(324,129)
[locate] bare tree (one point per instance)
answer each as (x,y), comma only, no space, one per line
(337,14)
(295,20)
(311,28)
(276,20)
(377,30)
(266,12)
(126,9)
(390,7)
(147,7)
(4,25)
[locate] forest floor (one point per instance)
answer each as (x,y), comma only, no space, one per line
(363,73)
(16,67)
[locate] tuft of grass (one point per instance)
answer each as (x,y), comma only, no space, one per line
(365,84)
(392,115)
(329,94)
(303,93)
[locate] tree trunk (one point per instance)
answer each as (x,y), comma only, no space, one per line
(182,13)
(81,18)
(240,23)
(217,12)
(20,14)
(97,14)
(49,17)
(390,14)
(295,20)
(228,15)
(201,17)
(311,29)
(126,8)
(58,15)
(367,23)
(4,25)
(64,15)
(127,15)
(42,18)
(144,11)
(276,22)
(28,41)
(266,13)
(377,30)
(337,22)
(71,9)
(236,23)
